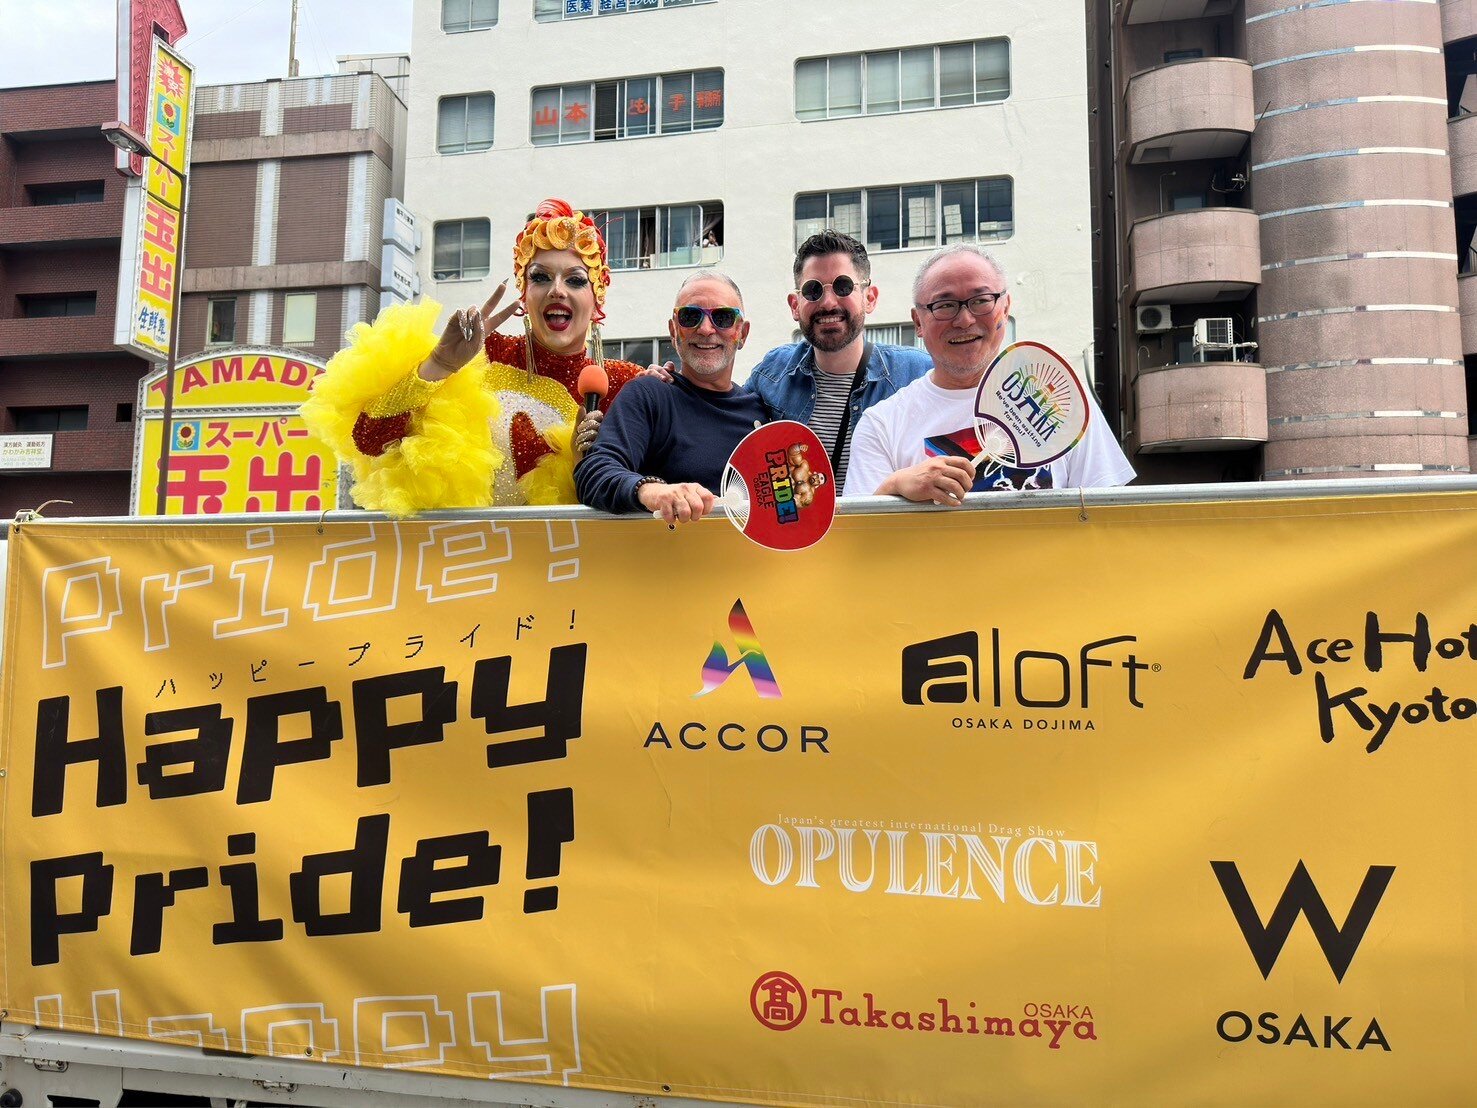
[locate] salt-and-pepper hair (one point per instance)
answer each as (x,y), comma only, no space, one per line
(948,252)
(712,275)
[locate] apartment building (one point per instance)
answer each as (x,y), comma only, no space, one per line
(723,132)
(287,205)
(1287,194)
(64,386)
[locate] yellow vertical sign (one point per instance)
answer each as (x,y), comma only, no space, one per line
(160,229)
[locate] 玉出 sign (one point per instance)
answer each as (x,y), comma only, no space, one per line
(153,255)
(236,443)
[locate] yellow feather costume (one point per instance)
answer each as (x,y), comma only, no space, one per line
(447,457)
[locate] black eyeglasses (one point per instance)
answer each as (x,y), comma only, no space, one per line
(842,286)
(946,310)
(723,319)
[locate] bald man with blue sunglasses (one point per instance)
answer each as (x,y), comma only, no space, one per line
(663,447)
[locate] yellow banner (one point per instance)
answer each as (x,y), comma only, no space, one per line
(1166,803)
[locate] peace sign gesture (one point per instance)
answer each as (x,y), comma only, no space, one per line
(464,335)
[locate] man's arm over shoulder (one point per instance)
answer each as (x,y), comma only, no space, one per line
(776,363)
(769,377)
(606,477)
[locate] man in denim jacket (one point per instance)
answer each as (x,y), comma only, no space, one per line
(811,381)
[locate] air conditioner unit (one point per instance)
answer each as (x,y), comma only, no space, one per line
(1150,319)
(1213,334)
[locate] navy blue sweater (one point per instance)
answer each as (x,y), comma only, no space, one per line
(675,431)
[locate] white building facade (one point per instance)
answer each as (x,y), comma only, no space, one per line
(722,132)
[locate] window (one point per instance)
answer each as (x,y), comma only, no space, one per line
(468,15)
(220,322)
(909,217)
(894,334)
(463,250)
(1183,55)
(123,413)
(631,108)
(661,238)
(58,304)
(546,11)
(464,123)
(75,192)
(300,317)
(917,79)
(905,334)
(45,421)
(642,352)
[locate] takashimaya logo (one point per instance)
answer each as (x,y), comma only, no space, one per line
(778,1001)
(781,1003)
(718,669)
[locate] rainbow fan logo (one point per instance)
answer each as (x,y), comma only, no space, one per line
(718,669)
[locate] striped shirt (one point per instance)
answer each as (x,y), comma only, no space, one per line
(832,391)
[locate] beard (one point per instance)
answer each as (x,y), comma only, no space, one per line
(852,328)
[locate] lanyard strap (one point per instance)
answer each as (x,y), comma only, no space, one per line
(845,429)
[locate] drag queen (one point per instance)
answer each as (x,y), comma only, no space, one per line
(474,418)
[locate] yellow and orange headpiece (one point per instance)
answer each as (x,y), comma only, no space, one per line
(557,226)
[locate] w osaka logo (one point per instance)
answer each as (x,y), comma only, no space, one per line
(718,669)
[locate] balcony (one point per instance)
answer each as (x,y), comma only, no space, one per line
(1200,256)
(62,224)
(1202,406)
(1164,11)
(97,450)
(59,336)
(1458,19)
(1190,110)
(1466,285)
(1461,135)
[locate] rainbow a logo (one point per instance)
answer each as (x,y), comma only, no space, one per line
(718,669)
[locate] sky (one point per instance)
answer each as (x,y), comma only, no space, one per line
(47,42)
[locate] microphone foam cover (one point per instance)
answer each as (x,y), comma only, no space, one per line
(593,379)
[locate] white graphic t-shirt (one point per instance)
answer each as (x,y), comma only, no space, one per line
(923,421)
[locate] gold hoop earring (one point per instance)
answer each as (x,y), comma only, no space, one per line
(597,346)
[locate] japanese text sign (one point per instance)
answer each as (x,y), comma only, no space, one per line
(153,257)
(237,443)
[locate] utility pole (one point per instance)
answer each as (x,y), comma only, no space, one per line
(292,44)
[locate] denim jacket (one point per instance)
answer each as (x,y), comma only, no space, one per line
(785,379)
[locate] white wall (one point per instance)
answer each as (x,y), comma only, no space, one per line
(761,156)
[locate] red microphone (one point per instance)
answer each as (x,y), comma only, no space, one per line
(593,384)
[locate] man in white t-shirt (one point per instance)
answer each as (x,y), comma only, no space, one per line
(920,442)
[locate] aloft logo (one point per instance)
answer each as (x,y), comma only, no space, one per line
(718,669)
